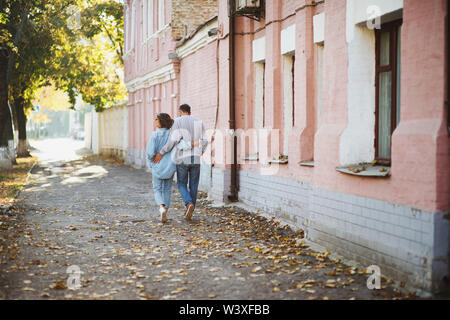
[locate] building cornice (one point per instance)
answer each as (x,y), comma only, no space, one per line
(198,41)
(156,34)
(161,75)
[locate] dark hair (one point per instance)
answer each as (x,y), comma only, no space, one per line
(165,120)
(185,108)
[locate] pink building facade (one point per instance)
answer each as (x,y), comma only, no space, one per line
(353,95)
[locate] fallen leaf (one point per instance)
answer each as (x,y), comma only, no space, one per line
(256,269)
(59,285)
(178,290)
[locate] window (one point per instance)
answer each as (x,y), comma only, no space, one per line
(161,20)
(387,84)
(147,17)
(259,98)
(288,100)
(127,28)
(319,79)
(144,20)
(150,18)
(133,22)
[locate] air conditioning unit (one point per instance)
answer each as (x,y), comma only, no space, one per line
(247,6)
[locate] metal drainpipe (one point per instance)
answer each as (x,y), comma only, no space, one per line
(233,186)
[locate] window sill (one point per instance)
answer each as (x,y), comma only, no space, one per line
(366,170)
(251,157)
(306,164)
(282,160)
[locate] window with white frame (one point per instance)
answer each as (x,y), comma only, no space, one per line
(288,52)
(153,16)
(258,119)
(150,19)
(288,100)
(161,11)
(147,18)
(373,96)
(259,60)
(319,85)
(259,94)
(133,22)
(127,29)
(319,41)
(144,20)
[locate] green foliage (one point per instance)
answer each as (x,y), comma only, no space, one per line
(89,55)
(105,18)
(75,44)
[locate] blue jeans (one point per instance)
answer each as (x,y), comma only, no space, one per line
(162,189)
(188,173)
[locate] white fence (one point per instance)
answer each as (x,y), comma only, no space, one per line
(106,132)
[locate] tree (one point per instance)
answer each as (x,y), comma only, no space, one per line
(39,45)
(105,18)
(11,27)
(30,22)
(28,68)
(88,56)
(6,133)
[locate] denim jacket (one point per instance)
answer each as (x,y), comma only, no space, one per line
(166,168)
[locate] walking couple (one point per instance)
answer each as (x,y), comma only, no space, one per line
(176,146)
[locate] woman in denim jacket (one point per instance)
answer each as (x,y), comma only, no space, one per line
(162,172)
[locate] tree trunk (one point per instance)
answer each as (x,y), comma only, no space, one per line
(6,133)
(22,149)
(15,123)
(11,141)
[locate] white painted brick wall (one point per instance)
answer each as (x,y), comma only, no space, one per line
(398,238)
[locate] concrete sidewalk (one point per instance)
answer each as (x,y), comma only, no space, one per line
(96,221)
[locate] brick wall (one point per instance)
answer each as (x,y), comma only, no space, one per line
(408,245)
(187,15)
(198,84)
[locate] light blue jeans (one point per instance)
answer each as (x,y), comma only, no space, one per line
(162,189)
(188,174)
